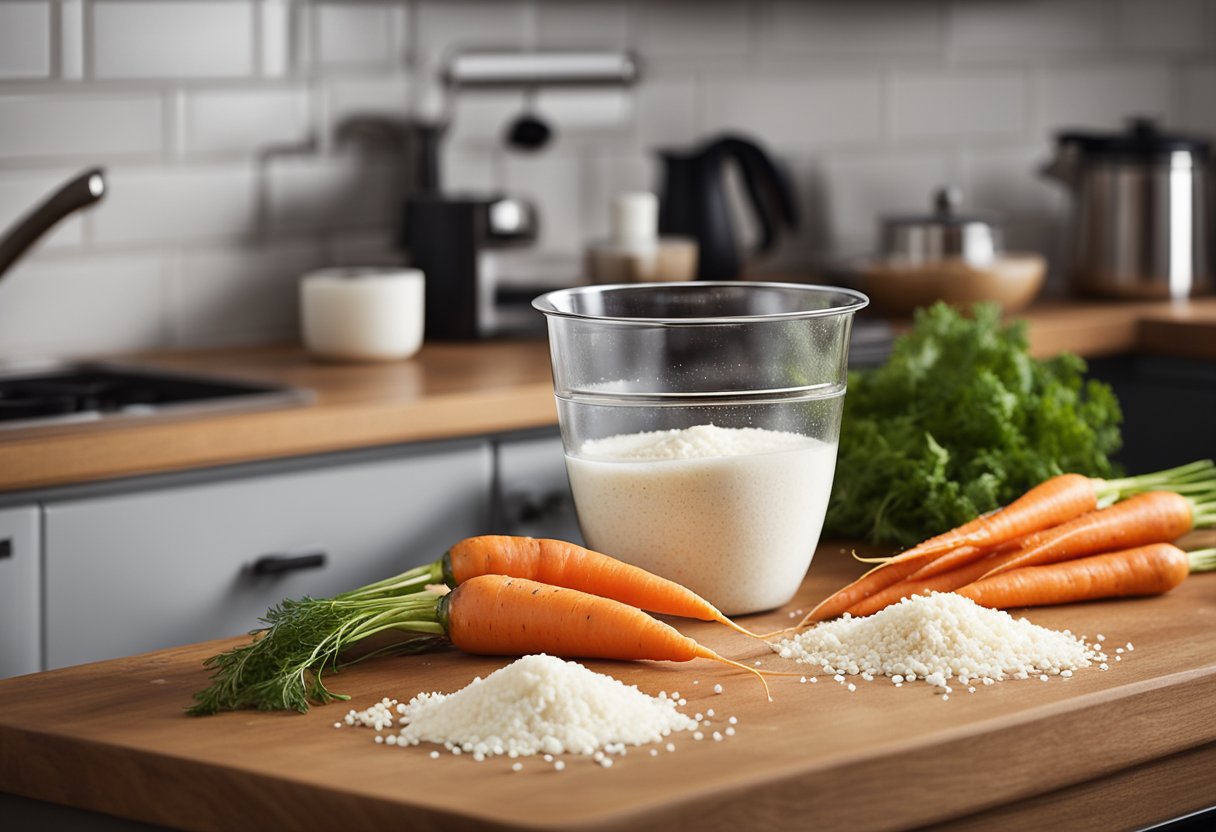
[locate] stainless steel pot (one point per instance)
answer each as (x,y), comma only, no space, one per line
(945,234)
(1142,222)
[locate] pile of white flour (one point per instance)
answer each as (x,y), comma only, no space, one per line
(541,705)
(938,637)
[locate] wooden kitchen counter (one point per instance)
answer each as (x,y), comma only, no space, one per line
(1119,748)
(446,391)
(454,390)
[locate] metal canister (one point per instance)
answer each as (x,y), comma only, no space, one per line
(1142,222)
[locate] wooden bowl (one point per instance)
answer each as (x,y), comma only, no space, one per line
(894,288)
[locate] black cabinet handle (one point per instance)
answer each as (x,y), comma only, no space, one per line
(6,548)
(278,564)
(533,508)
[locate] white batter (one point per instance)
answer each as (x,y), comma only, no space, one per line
(732,513)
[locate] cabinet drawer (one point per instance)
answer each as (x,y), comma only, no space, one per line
(532,492)
(138,572)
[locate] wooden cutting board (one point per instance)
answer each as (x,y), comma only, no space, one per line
(1105,749)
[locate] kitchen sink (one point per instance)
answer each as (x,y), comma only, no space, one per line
(63,394)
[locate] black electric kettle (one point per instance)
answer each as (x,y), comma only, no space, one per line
(693,201)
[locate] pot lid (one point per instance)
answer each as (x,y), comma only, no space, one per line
(1143,139)
(944,233)
(947,202)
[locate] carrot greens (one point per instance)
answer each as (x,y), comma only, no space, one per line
(961,420)
(282,667)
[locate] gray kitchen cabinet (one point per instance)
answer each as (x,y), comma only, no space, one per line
(20,591)
(133,572)
(532,491)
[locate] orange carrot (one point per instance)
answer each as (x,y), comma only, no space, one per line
(1048,504)
(500,616)
(912,585)
(559,563)
(282,667)
(1054,501)
(1059,500)
(876,580)
(1145,570)
(1151,517)
(1051,503)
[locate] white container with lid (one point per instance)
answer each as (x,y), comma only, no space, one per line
(362,314)
(634,251)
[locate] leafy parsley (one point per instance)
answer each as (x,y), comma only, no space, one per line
(961,420)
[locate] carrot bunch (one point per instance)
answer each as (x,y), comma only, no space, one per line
(1070,538)
(512,596)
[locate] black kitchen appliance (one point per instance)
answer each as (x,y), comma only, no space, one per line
(694,203)
(450,237)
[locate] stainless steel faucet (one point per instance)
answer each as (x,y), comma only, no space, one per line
(83,190)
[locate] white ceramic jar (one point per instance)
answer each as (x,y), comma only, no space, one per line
(362,314)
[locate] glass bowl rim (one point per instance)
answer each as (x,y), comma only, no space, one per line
(854,302)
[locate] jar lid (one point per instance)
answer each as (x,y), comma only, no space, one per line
(1143,139)
(945,233)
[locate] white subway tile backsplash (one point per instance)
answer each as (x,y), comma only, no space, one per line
(375,247)
(307,194)
(800,113)
(246,119)
(585,25)
(1199,98)
(25,39)
(1105,96)
(274,22)
(82,305)
(1168,25)
(668,112)
(442,27)
(480,118)
(240,296)
(584,109)
(859,189)
(869,29)
(958,105)
(96,126)
(21,191)
(870,105)
(469,171)
(357,33)
(997,28)
(1007,181)
(693,29)
(167,205)
(71,39)
(189,39)
(379,95)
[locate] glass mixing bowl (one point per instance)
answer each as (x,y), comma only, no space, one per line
(699,422)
